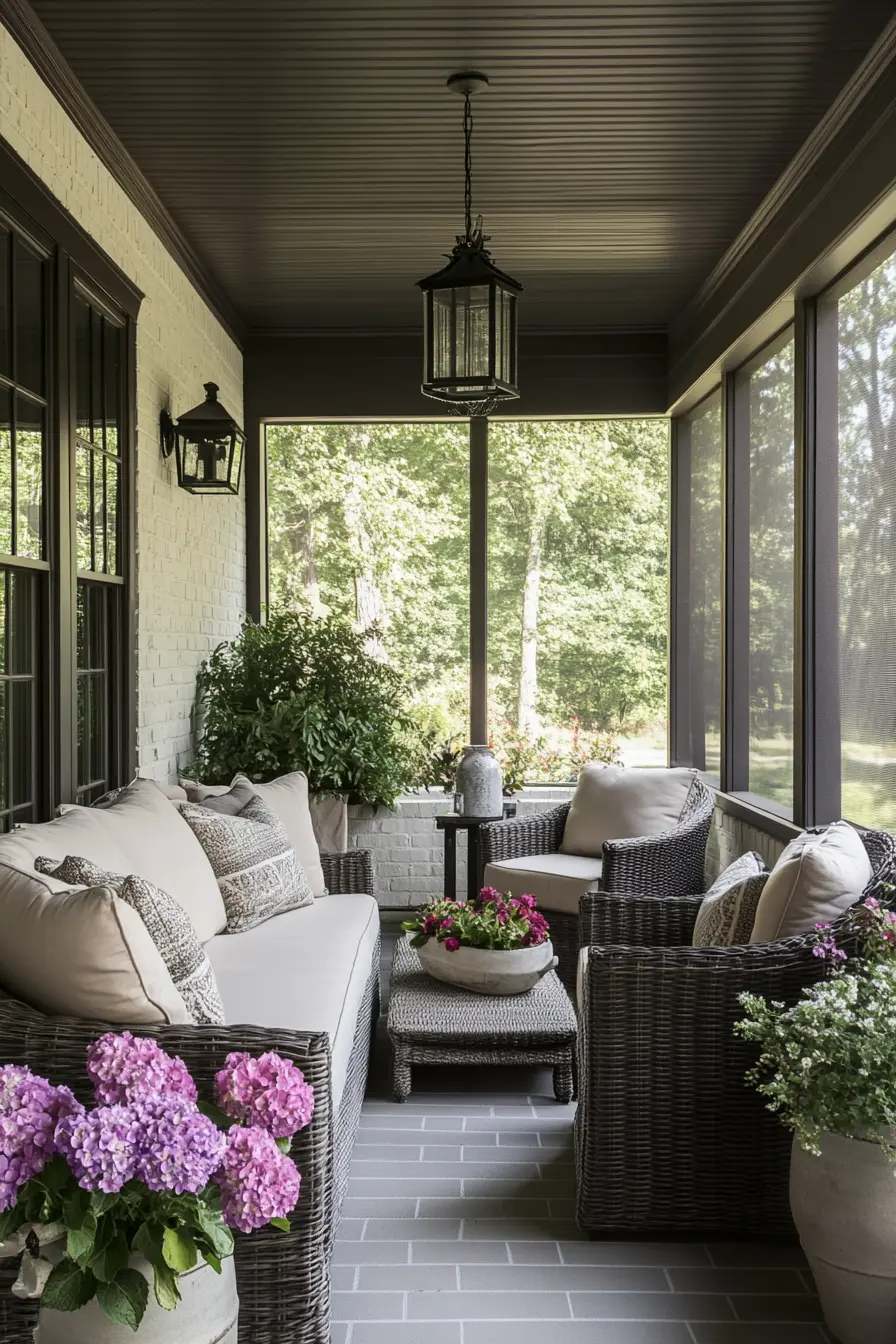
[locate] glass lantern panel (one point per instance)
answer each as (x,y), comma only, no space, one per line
(460,333)
(504,364)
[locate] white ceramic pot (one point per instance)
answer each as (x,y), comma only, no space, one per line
(488,970)
(206,1314)
(844,1207)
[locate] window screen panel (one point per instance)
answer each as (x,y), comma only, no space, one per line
(705,588)
(19,666)
(866,321)
(770,404)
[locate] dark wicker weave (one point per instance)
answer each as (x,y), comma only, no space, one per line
(282,1277)
(669,864)
(669,1137)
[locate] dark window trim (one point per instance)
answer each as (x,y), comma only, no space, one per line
(744,809)
(75,264)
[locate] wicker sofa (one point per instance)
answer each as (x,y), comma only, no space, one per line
(670,863)
(283,1278)
(669,1138)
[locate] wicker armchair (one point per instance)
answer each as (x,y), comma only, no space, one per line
(282,1277)
(668,864)
(669,1137)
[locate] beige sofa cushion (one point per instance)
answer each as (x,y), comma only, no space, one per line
(614,803)
(816,878)
(555,880)
(150,839)
(305,971)
(81,953)
(287,797)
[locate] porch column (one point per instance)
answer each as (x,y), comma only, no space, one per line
(479,579)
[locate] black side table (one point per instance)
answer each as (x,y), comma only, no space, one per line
(451,823)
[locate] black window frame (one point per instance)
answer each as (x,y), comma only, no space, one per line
(811,315)
(75,264)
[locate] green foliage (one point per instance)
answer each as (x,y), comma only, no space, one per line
(308,693)
(371,522)
(828,1062)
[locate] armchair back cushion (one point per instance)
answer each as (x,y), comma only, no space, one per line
(816,878)
(81,953)
(287,797)
(614,803)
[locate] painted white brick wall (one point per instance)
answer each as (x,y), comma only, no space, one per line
(729,838)
(190,550)
(408,851)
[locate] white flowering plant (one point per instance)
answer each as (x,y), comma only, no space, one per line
(827,1063)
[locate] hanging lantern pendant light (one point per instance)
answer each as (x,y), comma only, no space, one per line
(469,307)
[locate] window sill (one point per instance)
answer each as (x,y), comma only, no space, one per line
(744,808)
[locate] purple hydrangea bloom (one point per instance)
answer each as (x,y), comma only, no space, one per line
(101,1147)
(180,1149)
(124,1068)
(257,1181)
(30,1108)
(267,1091)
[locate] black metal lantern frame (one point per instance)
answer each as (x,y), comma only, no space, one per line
(469,307)
(208,446)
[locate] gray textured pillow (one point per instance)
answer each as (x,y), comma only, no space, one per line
(258,873)
(167,924)
(725,919)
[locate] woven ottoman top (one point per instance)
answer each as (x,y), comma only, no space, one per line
(422,1009)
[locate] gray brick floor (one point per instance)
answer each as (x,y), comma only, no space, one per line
(459,1229)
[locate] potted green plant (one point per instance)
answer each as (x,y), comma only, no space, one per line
(307,693)
(122,1213)
(827,1065)
(492,944)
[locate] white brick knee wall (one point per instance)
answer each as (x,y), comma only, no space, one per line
(190,550)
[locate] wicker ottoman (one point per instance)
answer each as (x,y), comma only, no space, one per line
(434,1023)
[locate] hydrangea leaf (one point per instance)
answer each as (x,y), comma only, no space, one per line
(81,1240)
(112,1258)
(68,1287)
(179,1249)
(124,1300)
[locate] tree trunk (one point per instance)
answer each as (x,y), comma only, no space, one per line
(370,608)
(527,714)
(312,579)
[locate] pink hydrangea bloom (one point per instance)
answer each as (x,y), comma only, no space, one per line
(267,1091)
(257,1181)
(30,1108)
(101,1147)
(180,1149)
(124,1068)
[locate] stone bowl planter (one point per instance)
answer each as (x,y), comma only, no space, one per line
(844,1208)
(206,1314)
(488,970)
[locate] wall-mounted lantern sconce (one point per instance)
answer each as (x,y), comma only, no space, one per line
(208,445)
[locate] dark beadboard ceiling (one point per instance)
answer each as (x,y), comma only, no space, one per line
(312,155)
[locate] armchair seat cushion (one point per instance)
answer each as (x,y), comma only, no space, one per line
(305,970)
(557,881)
(614,803)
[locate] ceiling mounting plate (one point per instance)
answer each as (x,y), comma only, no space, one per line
(468,82)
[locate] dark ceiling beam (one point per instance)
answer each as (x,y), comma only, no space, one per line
(845,172)
(31,35)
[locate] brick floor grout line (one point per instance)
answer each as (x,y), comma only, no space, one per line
(668,1279)
(690,1330)
(730,1300)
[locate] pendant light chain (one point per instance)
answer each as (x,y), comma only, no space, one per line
(468,166)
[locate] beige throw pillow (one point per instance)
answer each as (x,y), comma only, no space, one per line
(816,878)
(81,954)
(155,843)
(256,867)
(614,803)
(287,797)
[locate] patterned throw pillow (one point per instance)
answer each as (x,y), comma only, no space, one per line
(725,918)
(167,924)
(258,873)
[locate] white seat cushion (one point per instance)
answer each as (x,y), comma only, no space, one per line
(613,803)
(816,878)
(555,880)
(142,833)
(305,970)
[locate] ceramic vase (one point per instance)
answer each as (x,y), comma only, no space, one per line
(479,783)
(206,1314)
(844,1208)
(487,970)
